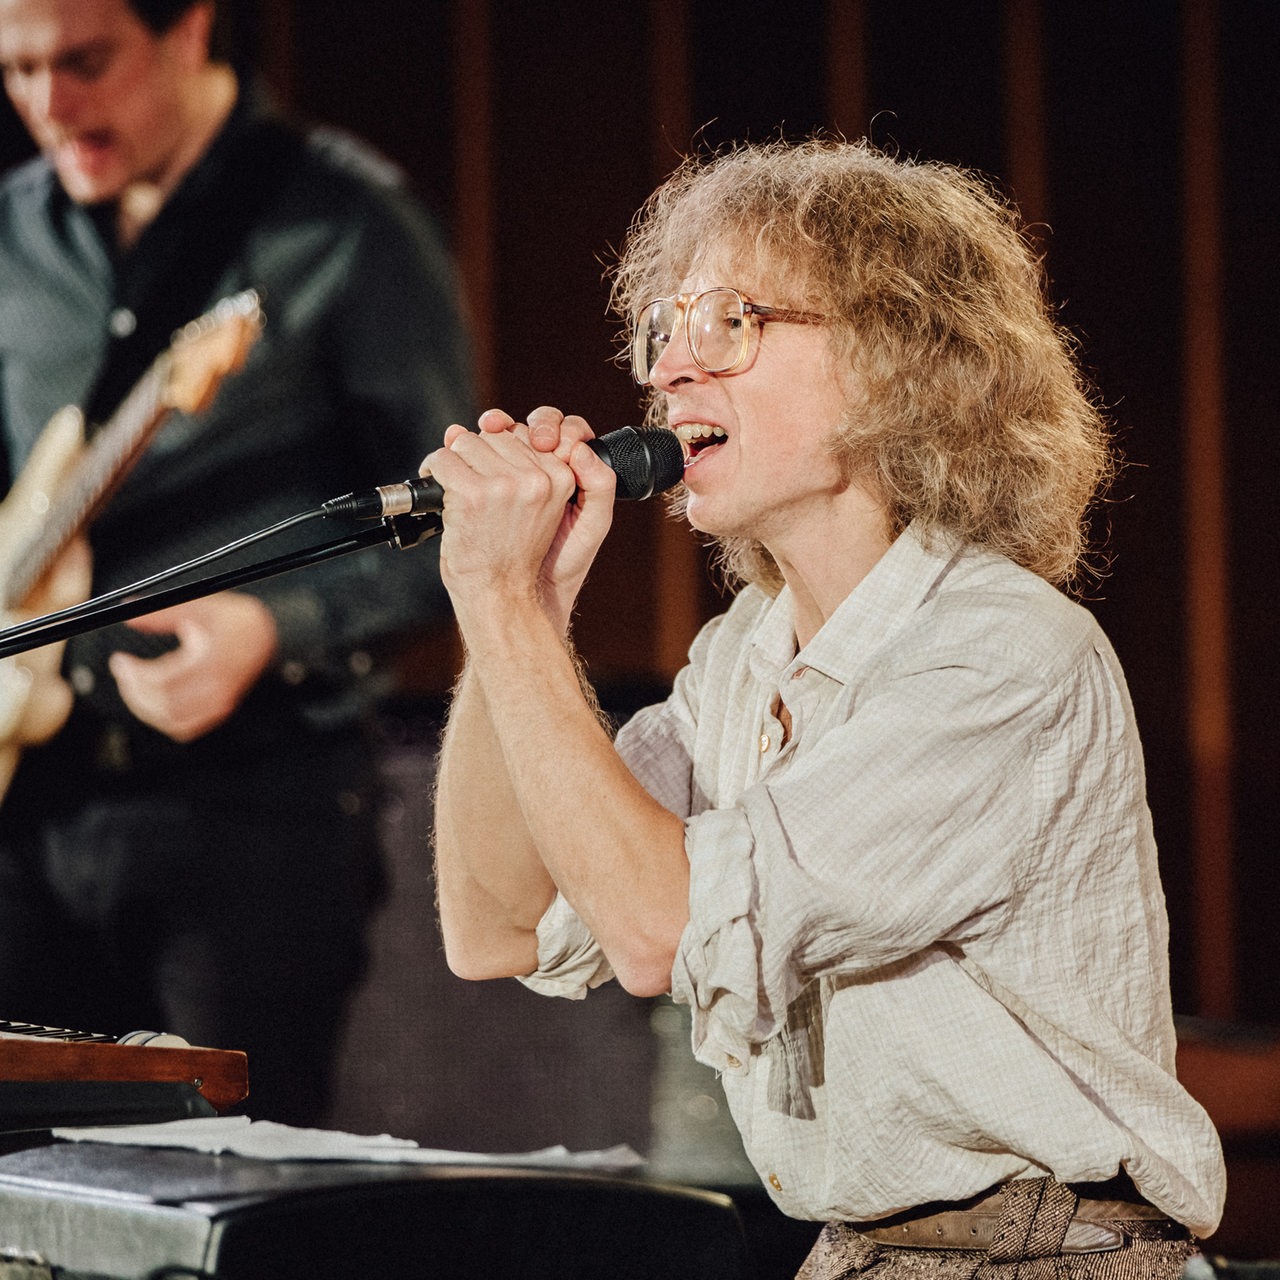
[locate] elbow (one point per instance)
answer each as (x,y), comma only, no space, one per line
(473,968)
(646,984)
(644,972)
(485,961)
(643,958)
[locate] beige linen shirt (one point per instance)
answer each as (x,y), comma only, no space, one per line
(928,947)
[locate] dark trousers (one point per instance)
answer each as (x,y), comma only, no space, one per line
(219,892)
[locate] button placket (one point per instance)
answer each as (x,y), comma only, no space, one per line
(804,683)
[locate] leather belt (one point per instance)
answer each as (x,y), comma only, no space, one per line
(1098,1225)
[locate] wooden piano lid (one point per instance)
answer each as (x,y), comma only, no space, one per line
(221,1076)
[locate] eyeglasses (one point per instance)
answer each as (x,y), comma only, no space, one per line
(715,323)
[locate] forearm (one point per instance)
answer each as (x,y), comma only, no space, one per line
(491,885)
(616,854)
(522,525)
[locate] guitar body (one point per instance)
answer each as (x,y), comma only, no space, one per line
(34,700)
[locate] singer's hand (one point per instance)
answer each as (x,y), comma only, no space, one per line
(225,643)
(549,430)
(509,522)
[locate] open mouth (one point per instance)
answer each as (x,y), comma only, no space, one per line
(698,438)
(86,151)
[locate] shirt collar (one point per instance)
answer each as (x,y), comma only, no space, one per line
(903,579)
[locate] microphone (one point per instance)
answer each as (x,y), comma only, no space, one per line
(645,462)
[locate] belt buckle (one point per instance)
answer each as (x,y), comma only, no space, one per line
(1091,1237)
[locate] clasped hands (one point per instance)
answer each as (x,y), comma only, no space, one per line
(526,508)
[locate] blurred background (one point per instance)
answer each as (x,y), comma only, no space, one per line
(1140,140)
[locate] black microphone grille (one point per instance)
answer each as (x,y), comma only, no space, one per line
(645,462)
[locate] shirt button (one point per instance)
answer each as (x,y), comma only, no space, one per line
(775,1182)
(122,322)
(82,680)
(764,743)
(732,1061)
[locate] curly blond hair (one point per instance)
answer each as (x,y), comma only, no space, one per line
(976,418)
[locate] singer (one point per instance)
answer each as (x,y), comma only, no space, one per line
(888,836)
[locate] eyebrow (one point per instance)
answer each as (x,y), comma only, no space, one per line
(70,58)
(87,51)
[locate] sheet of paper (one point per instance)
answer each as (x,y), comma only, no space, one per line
(266,1140)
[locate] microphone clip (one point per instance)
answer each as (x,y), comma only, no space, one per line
(409,531)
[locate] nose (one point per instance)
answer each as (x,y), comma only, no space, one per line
(50,96)
(676,365)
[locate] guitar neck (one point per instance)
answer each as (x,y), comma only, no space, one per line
(57,503)
(105,461)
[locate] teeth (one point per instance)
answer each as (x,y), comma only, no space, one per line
(692,431)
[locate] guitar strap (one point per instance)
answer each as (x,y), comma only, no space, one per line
(167,279)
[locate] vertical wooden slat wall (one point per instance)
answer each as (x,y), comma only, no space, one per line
(474,181)
(549,148)
(277,56)
(846,66)
(676,605)
(1026,164)
(1208,597)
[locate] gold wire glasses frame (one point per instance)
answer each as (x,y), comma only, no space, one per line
(715,322)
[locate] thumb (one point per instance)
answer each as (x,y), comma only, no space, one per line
(162,622)
(123,665)
(594,476)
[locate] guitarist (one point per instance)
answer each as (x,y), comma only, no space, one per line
(195,849)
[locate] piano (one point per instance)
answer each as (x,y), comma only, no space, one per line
(54,1077)
(127,1212)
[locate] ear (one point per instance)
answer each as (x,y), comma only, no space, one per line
(191,34)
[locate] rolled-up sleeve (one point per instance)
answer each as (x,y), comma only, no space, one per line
(570,961)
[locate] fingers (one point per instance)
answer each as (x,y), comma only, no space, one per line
(552,431)
(548,447)
(150,688)
(498,470)
(450,435)
(503,447)
(495,423)
(495,420)
(547,429)
(225,643)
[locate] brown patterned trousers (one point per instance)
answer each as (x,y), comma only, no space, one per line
(1030,1228)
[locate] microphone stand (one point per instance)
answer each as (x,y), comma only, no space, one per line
(403,532)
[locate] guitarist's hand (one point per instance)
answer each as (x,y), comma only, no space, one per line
(225,642)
